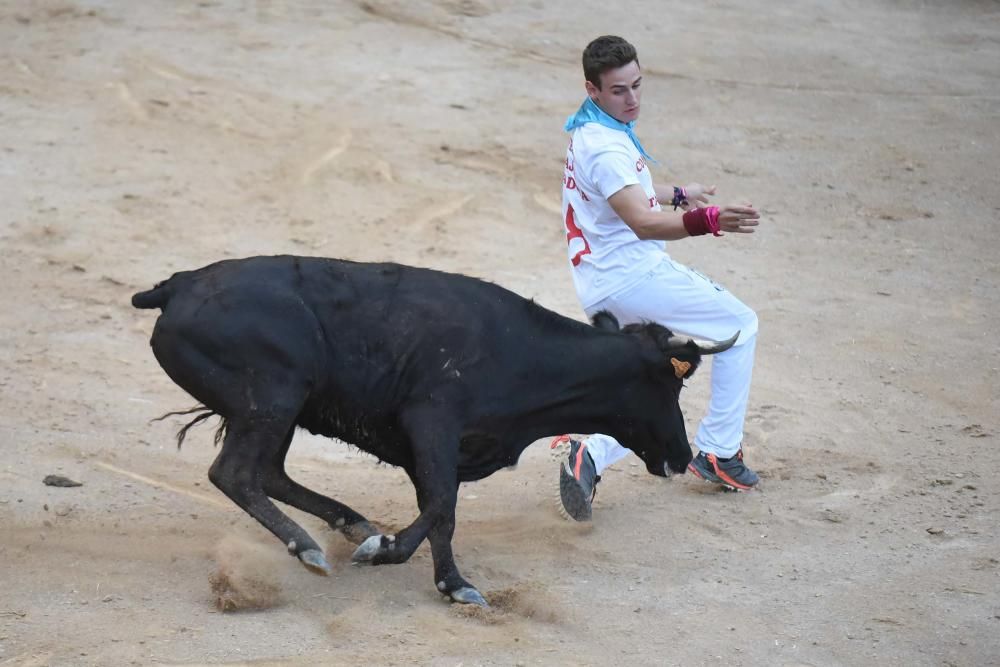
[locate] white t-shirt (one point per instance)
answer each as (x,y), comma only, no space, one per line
(605,254)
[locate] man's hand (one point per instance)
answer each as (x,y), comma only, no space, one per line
(698,194)
(738,218)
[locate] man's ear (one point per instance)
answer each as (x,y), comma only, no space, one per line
(592,90)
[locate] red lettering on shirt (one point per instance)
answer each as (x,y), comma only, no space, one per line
(640,164)
(653,202)
(570,183)
(574,232)
(569,165)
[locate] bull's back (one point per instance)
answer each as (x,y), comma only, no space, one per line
(366,324)
(350,320)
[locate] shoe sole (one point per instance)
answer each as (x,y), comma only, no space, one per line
(572,502)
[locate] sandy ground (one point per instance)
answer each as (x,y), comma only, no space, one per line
(137,139)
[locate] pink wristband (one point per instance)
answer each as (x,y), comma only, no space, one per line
(700,221)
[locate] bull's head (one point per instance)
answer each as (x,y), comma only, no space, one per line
(662,442)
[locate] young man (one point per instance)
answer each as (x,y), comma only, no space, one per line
(615,230)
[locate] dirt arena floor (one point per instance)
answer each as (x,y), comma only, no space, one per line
(139,139)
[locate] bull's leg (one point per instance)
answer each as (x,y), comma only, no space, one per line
(394,549)
(447,578)
(435,476)
(278,485)
(239,471)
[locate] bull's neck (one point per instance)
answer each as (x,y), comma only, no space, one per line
(590,391)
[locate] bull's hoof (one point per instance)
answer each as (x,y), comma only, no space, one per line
(359,532)
(315,562)
(372,547)
(469,595)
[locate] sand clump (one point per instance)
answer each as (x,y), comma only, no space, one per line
(508,604)
(245,579)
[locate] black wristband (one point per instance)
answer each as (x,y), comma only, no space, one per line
(679,198)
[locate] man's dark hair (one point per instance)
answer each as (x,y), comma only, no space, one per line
(606,53)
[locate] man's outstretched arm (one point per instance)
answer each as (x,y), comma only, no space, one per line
(632,206)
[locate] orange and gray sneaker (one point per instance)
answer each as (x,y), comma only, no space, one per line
(731,472)
(578,480)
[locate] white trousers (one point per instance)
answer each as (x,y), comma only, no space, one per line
(688,303)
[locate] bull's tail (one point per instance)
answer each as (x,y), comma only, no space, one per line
(203,413)
(154,298)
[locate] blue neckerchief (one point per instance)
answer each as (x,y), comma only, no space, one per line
(589,112)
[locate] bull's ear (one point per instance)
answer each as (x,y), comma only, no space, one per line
(605,320)
(684,365)
(681,368)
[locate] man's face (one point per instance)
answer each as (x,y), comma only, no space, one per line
(619,93)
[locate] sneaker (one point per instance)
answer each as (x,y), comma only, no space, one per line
(731,472)
(578,480)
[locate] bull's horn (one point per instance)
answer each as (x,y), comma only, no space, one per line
(713,347)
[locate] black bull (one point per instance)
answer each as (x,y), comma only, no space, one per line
(446,376)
